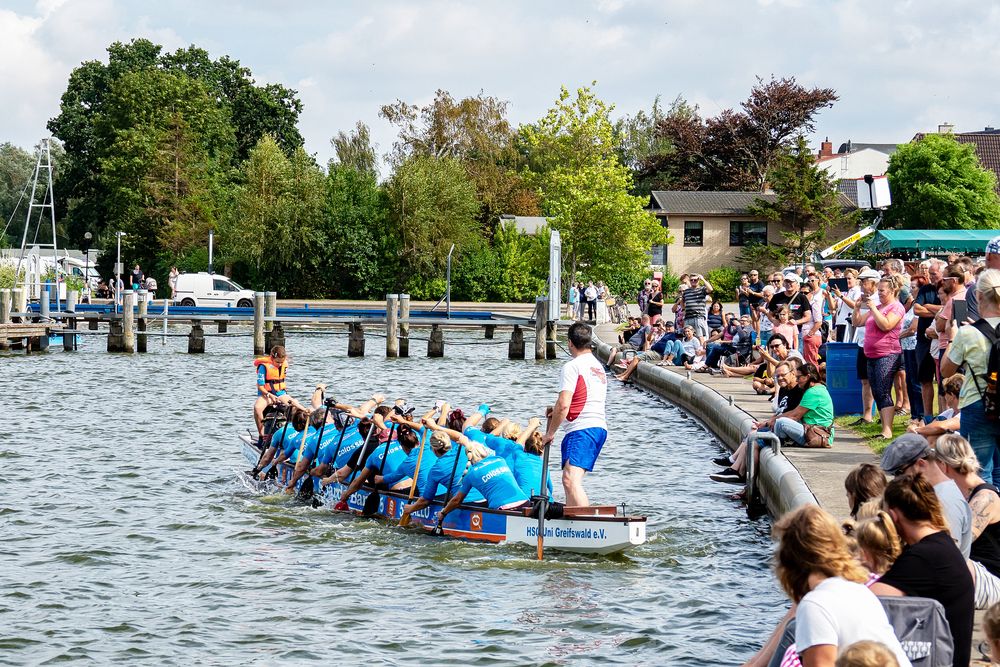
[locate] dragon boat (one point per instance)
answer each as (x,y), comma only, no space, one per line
(597,529)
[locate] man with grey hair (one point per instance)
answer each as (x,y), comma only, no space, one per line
(992,262)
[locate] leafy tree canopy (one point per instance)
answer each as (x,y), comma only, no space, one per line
(938,183)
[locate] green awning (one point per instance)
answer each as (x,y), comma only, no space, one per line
(971,241)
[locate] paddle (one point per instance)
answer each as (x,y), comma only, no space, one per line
(543,506)
(341,506)
(438,529)
(404,521)
(373,499)
(269,426)
(306,492)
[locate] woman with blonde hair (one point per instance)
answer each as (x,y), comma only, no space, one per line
(931,565)
(962,466)
(867,654)
(818,573)
(878,543)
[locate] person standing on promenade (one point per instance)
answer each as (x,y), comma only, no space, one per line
(172,282)
(590,296)
(582,396)
(694,297)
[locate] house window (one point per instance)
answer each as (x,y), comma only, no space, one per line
(694,233)
(746,233)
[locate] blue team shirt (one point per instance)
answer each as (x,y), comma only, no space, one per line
(493,478)
(527,468)
(288,439)
(352,440)
(308,443)
(393,458)
(438,476)
(409,465)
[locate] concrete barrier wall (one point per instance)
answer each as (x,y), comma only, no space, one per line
(780,484)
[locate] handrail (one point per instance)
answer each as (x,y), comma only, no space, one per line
(752,463)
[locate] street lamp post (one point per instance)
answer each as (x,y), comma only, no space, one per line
(86,272)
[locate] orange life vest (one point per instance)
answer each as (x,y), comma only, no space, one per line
(274,378)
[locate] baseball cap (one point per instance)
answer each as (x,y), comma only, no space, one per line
(993,246)
(869,274)
(904,451)
(794,277)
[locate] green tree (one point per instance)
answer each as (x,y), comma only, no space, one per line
(16,168)
(938,183)
(433,204)
(361,254)
(638,141)
(585,191)
(807,203)
(355,150)
(475,132)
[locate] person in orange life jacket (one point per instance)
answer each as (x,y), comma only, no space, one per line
(270,384)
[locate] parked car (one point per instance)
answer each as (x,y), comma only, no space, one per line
(209,289)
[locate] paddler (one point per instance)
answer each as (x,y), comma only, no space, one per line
(490,475)
(386,458)
(285,441)
(581,401)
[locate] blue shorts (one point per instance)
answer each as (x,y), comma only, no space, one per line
(581,448)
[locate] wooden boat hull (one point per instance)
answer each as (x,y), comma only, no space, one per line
(580,534)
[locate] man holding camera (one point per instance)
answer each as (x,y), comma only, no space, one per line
(695,308)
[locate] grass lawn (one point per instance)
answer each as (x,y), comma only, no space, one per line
(871,434)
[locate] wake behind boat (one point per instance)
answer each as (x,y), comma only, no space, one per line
(601,530)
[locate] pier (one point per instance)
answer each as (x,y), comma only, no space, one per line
(401,323)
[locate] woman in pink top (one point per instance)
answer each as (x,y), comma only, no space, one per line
(883,324)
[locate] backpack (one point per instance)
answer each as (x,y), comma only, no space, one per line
(991,393)
(921,628)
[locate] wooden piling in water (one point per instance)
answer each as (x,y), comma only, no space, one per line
(128,322)
(116,339)
(258,324)
(69,339)
(491,329)
(140,339)
(223,325)
(540,328)
(270,308)
(4,315)
(93,323)
(515,349)
(404,325)
(356,340)
(391,326)
(196,339)
(435,343)
(276,337)
(550,339)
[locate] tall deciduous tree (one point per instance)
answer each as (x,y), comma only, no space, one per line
(807,203)
(433,204)
(637,140)
(475,132)
(736,150)
(355,150)
(585,190)
(938,183)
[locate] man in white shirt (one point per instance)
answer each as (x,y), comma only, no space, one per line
(582,396)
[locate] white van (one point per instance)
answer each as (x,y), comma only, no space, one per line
(209,289)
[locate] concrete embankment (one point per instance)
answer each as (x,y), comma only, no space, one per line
(727,408)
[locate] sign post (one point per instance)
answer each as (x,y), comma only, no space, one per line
(555,276)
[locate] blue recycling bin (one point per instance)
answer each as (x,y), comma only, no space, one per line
(842,378)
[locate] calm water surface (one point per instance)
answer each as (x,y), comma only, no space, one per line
(129,536)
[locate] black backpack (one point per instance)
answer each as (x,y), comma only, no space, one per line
(991,393)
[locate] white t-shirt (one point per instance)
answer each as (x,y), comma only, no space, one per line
(839,613)
(584,376)
(844,311)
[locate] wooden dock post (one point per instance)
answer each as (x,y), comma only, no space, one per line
(140,339)
(196,339)
(356,340)
(276,337)
(491,329)
(551,329)
(435,343)
(270,308)
(404,325)
(391,326)
(93,323)
(258,324)
(20,302)
(515,349)
(223,325)
(69,339)
(540,315)
(116,339)
(128,322)
(4,315)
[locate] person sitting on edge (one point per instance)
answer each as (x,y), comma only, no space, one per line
(948,420)
(634,343)
(270,383)
(931,565)
(811,423)
(911,453)
(582,396)
(779,351)
(787,399)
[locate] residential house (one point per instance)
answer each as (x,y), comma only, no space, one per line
(853,161)
(710,228)
(986,143)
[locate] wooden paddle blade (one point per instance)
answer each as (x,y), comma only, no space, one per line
(540,547)
(404,521)
(371,504)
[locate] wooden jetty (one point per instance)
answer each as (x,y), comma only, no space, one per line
(139,318)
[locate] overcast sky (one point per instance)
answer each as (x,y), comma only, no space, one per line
(898,67)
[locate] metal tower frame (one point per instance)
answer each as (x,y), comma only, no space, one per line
(42,179)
